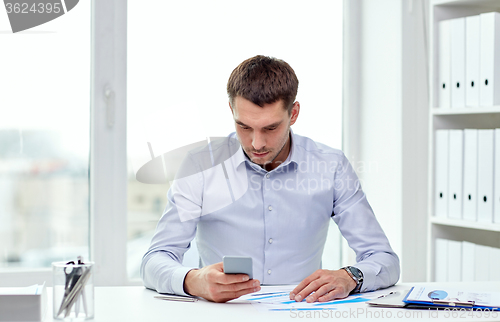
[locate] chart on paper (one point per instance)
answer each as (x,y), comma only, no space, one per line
(277,299)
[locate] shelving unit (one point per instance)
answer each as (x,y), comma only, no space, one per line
(455,118)
(465,224)
(466,110)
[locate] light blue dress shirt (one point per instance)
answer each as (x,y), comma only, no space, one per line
(279,218)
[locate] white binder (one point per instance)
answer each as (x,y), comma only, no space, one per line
(481,262)
(496,187)
(454,261)
(468,265)
(470,175)
(455,173)
(489,90)
(23,303)
(457,46)
(494,263)
(441,256)
(472,46)
(444,63)
(441,174)
(485,175)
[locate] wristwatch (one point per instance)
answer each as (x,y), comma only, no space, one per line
(356,275)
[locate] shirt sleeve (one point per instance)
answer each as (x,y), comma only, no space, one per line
(161,267)
(359,226)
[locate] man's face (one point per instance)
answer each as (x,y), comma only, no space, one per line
(263,131)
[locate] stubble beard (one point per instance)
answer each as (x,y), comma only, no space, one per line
(285,138)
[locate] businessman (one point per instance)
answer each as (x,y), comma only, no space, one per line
(282,189)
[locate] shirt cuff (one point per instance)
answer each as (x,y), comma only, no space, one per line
(178,280)
(369,276)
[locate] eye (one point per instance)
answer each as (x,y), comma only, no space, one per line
(244,127)
(271,129)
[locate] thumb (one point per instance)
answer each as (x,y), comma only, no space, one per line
(219,266)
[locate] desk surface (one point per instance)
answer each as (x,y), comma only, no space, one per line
(135,303)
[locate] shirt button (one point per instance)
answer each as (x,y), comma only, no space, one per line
(270,208)
(269,271)
(268,175)
(270,240)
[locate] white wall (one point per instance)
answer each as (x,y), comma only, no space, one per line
(382,130)
(415,118)
(380,120)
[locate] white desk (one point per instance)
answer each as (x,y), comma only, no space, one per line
(135,303)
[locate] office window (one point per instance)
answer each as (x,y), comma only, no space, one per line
(44,141)
(180,55)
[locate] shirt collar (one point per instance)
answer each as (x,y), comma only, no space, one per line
(240,156)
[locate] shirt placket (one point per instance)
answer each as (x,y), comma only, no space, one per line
(270,211)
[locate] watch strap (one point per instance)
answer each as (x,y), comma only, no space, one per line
(356,275)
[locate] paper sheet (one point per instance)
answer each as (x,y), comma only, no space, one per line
(29,290)
(278,299)
(427,294)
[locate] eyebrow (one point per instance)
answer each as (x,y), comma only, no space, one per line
(276,124)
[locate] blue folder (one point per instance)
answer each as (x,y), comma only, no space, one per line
(441,303)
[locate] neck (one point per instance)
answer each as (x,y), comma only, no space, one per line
(281,157)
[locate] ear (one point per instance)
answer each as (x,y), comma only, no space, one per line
(295,112)
(231,108)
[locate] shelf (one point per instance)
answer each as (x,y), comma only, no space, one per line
(466,110)
(477,117)
(475,3)
(465,224)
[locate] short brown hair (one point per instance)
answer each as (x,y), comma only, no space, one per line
(264,80)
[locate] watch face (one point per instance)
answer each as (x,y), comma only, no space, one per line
(356,272)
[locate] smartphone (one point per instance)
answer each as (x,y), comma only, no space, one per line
(238,265)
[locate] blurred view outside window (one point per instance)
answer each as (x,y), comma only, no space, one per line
(44,141)
(180,56)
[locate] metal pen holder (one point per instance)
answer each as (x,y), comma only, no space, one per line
(73,292)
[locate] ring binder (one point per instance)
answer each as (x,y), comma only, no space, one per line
(453,303)
(427,297)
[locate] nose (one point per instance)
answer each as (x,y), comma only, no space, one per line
(258,141)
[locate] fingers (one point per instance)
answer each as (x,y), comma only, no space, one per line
(336,293)
(324,289)
(214,285)
(311,287)
(237,288)
(227,292)
(328,292)
(222,278)
(235,295)
(225,287)
(323,285)
(216,275)
(302,285)
(232,278)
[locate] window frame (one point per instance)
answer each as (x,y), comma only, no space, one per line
(108,153)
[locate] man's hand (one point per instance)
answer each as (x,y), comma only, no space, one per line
(327,285)
(212,284)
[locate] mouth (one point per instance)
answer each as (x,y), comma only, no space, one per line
(260,155)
